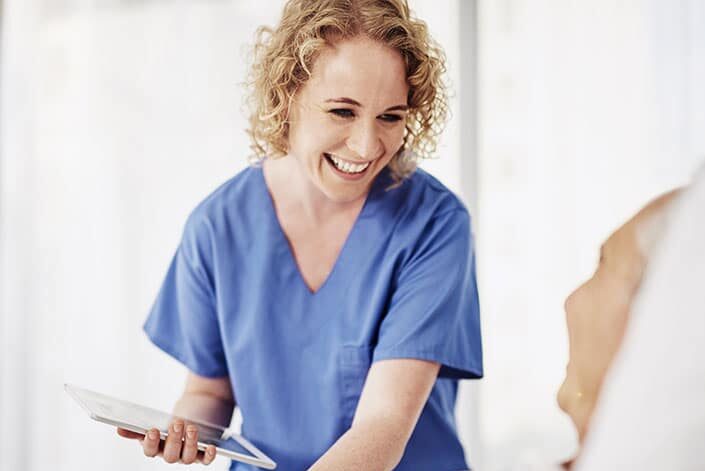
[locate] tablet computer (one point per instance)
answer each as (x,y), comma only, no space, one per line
(140,419)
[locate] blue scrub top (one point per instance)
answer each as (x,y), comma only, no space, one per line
(234,304)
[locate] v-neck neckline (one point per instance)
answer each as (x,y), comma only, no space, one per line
(349,239)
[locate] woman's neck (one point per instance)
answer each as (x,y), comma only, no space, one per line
(292,191)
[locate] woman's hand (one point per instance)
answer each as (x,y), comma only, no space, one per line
(180,446)
(209,400)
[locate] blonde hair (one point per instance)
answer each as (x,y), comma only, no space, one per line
(283,59)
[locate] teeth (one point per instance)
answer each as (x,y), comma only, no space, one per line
(347,167)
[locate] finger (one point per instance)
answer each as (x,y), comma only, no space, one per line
(190,450)
(129,434)
(209,455)
(174,441)
(150,445)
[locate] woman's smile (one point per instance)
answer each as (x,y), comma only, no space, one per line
(347,169)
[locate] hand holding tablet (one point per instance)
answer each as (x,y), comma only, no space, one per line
(180,445)
(162,434)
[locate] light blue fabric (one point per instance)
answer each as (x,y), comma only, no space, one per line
(234,303)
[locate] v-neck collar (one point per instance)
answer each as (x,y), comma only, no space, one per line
(340,261)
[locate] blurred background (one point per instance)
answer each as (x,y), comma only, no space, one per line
(118,116)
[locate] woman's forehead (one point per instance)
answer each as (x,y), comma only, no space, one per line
(361,69)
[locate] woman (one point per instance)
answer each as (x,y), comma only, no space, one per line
(650,413)
(330,292)
(634,382)
(597,314)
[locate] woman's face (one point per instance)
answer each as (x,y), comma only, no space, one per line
(596,315)
(348,120)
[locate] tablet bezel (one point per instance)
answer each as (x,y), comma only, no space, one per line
(85,400)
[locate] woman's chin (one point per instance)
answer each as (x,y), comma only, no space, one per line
(343,190)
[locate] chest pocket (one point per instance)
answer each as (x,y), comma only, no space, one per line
(354,364)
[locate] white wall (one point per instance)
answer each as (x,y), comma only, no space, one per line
(130,117)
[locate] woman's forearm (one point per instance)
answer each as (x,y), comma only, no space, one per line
(373,446)
(205,407)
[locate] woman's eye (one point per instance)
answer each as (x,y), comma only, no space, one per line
(343,113)
(390,118)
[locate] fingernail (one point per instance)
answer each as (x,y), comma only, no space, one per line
(178,427)
(153,435)
(211,452)
(191,432)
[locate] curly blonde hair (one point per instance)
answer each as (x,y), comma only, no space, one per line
(283,59)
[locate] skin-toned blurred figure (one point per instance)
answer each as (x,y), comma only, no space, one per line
(636,375)
(597,312)
(651,412)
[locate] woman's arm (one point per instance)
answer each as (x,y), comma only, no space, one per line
(392,399)
(207,399)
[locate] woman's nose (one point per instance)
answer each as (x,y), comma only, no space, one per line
(365,141)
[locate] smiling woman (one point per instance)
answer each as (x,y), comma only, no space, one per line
(329,292)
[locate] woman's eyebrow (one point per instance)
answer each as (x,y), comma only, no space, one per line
(398,108)
(352,102)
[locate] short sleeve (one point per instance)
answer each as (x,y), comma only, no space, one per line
(434,309)
(183,321)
